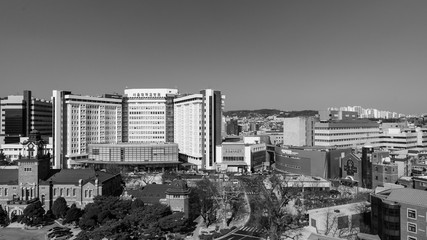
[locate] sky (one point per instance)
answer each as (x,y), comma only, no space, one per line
(287,55)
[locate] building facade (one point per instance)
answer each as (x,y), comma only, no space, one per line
(148,115)
(20,114)
(80,120)
(134,155)
(347,133)
(399,214)
(241,156)
(34,180)
(311,161)
(198,127)
(298,131)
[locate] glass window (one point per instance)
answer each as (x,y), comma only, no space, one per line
(412,227)
(412,213)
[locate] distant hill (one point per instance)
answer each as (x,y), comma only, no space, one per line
(269,112)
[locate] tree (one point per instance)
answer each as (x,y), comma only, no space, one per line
(33,214)
(169,176)
(207,192)
(4,219)
(274,194)
(73,214)
(176,222)
(59,207)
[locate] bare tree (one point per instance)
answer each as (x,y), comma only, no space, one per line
(274,195)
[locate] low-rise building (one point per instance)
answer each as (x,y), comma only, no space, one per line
(149,156)
(248,155)
(399,214)
(34,180)
(338,221)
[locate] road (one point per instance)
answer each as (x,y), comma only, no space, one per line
(246,233)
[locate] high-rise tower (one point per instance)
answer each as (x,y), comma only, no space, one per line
(198,125)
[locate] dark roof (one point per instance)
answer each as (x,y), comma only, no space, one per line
(151,194)
(72,176)
(9,176)
(178,186)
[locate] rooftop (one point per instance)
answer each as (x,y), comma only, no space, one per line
(409,196)
(9,176)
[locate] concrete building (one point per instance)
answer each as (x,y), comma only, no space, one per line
(399,138)
(80,120)
(347,133)
(233,127)
(148,115)
(15,151)
(336,115)
(248,155)
(198,127)
(298,131)
(20,114)
(144,156)
(384,171)
(399,214)
(341,221)
(311,161)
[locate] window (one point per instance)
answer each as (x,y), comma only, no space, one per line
(68,192)
(60,192)
(90,193)
(54,192)
(85,193)
(342,222)
(313,222)
(412,238)
(412,227)
(74,192)
(412,213)
(5,191)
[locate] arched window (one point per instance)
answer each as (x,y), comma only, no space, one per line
(74,192)
(60,192)
(68,192)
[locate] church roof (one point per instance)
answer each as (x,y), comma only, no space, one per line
(9,176)
(72,176)
(151,194)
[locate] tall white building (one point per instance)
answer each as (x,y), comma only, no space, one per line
(198,126)
(148,115)
(80,120)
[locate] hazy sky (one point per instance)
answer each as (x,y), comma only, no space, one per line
(289,55)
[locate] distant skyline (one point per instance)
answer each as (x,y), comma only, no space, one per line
(287,55)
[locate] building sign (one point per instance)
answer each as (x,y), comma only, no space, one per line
(350,168)
(289,152)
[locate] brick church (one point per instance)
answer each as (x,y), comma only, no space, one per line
(34,180)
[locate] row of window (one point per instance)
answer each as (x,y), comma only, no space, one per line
(343,140)
(146,107)
(146,117)
(60,192)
